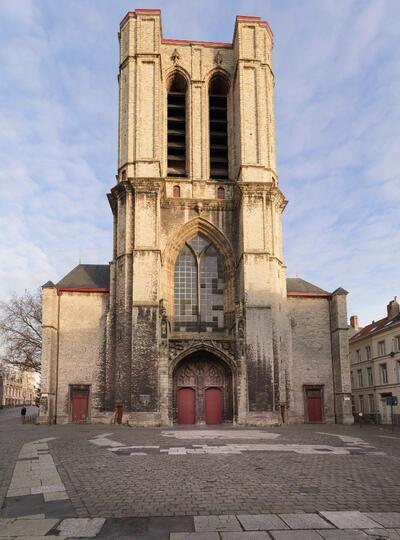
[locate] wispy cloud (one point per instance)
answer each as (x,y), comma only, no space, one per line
(337,110)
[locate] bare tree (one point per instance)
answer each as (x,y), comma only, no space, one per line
(20,330)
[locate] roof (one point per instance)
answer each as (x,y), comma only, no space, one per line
(376,326)
(297,286)
(86,276)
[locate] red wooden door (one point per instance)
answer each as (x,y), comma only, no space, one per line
(213,406)
(79,407)
(186,406)
(314,404)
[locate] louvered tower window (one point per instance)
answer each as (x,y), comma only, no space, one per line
(177,126)
(217,95)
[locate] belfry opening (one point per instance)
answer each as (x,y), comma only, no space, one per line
(202,390)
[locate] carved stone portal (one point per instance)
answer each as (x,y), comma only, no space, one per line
(200,371)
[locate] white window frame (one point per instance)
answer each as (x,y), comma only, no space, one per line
(360,378)
(384,373)
(371,403)
(381,348)
(370,376)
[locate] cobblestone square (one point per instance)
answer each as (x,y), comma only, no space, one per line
(276,475)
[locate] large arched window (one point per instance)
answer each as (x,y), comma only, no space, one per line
(199,287)
(217,102)
(176,142)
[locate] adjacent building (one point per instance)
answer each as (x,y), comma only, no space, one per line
(17,387)
(194,320)
(375,365)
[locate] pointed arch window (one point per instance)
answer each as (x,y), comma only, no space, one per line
(176,134)
(199,287)
(218,123)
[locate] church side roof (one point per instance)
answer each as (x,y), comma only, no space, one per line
(86,276)
(298,286)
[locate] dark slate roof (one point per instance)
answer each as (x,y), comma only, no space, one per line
(87,276)
(376,326)
(298,285)
(48,285)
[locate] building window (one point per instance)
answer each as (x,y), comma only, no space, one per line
(176,135)
(371,403)
(199,288)
(218,123)
(358,355)
(352,379)
(361,403)
(384,373)
(381,348)
(360,378)
(176,192)
(370,376)
(368,352)
(398,370)
(397,344)
(221,193)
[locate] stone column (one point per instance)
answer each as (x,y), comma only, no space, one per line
(50,316)
(340,357)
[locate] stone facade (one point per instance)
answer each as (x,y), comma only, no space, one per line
(17,387)
(231,320)
(375,366)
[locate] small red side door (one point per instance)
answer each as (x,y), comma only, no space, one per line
(314,404)
(79,406)
(213,406)
(186,406)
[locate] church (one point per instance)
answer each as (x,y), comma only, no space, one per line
(194,320)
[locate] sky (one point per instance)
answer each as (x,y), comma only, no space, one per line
(337,105)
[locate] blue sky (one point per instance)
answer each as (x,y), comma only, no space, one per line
(337,66)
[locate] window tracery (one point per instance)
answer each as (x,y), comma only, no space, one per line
(199,287)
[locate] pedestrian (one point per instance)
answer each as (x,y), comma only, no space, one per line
(23,413)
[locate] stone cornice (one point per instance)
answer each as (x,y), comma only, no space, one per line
(273,193)
(198,205)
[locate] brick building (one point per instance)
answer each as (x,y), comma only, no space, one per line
(194,321)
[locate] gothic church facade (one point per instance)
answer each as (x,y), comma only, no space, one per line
(194,321)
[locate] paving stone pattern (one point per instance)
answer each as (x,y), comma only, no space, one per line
(102,484)
(256,482)
(222,527)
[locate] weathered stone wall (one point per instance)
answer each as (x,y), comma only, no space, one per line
(81,337)
(311,354)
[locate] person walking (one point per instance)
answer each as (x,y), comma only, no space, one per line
(23,413)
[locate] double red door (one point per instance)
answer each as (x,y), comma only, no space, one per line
(187,406)
(213,406)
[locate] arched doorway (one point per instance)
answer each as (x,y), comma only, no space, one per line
(202,390)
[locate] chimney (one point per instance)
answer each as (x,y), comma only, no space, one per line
(354,322)
(393,308)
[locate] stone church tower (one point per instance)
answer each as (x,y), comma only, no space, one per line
(196,321)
